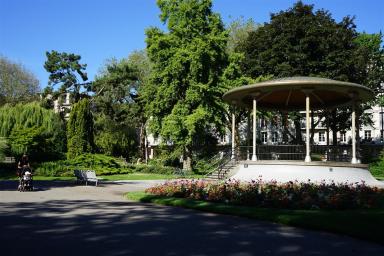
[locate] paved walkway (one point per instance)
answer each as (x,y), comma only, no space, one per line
(63,219)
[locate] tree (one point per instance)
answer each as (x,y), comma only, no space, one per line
(80,129)
(182,101)
(33,129)
(372,58)
(3,148)
(116,108)
(65,70)
(143,66)
(304,42)
(17,84)
(238,33)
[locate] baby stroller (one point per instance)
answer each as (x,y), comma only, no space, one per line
(25,180)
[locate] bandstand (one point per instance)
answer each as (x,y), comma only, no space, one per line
(295,94)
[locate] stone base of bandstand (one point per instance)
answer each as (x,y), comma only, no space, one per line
(315,172)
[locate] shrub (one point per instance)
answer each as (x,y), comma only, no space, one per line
(377,168)
(291,195)
(102,164)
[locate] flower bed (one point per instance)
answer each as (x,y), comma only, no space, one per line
(291,195)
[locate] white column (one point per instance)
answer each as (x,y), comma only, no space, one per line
(354,159)
(248,133)
(233,136)
(307,138)
(254,157)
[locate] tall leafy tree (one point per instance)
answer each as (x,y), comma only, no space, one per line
(239,30)
(304,42)
(80,137)
(66,70)
(116,108)
(17,84)
(371,52)
(188,61)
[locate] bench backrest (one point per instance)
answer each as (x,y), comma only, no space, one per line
(90,174)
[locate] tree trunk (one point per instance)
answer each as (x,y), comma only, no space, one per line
(327,115)
(285,127)
(299,137)
(142,138)
(334,128)
(312,127)
(187,160)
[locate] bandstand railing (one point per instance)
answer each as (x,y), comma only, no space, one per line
(338,153)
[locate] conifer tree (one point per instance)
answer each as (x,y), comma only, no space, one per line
(80,129)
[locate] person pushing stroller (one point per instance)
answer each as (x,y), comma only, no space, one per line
(24,172)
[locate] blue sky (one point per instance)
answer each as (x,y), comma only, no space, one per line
(101,29)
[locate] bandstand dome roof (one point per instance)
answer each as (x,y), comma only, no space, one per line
(290,93)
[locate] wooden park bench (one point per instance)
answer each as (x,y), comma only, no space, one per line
(85,176)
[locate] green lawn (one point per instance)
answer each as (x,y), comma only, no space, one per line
(364,224)
(132,176)
(143,176)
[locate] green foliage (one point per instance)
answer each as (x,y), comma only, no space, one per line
(64,69)
(101,164)
(16,83)
(118,110)
(304,42)
(289,195)
(238,32)
(184,98)
(3,148)
(372,56)
(120,120)
(80,129)
(32,129)
(377,167)
(301,42)
(26,139)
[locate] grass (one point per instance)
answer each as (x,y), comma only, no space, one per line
(138,176)
(131,176)
(363,224)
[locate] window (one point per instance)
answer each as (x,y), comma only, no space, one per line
(367,135)
(263,123)
(274,137)
(264,137)
(343,137)
(321,137)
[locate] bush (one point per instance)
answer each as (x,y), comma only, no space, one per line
(377,168)
(291,195)
(101,164)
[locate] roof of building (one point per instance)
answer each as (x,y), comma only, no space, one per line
(290,93)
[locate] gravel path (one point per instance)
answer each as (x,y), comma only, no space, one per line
(61,218)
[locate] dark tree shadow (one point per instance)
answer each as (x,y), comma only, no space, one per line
(79,227)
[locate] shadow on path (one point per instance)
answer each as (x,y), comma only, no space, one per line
(79,227)
(39,185)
